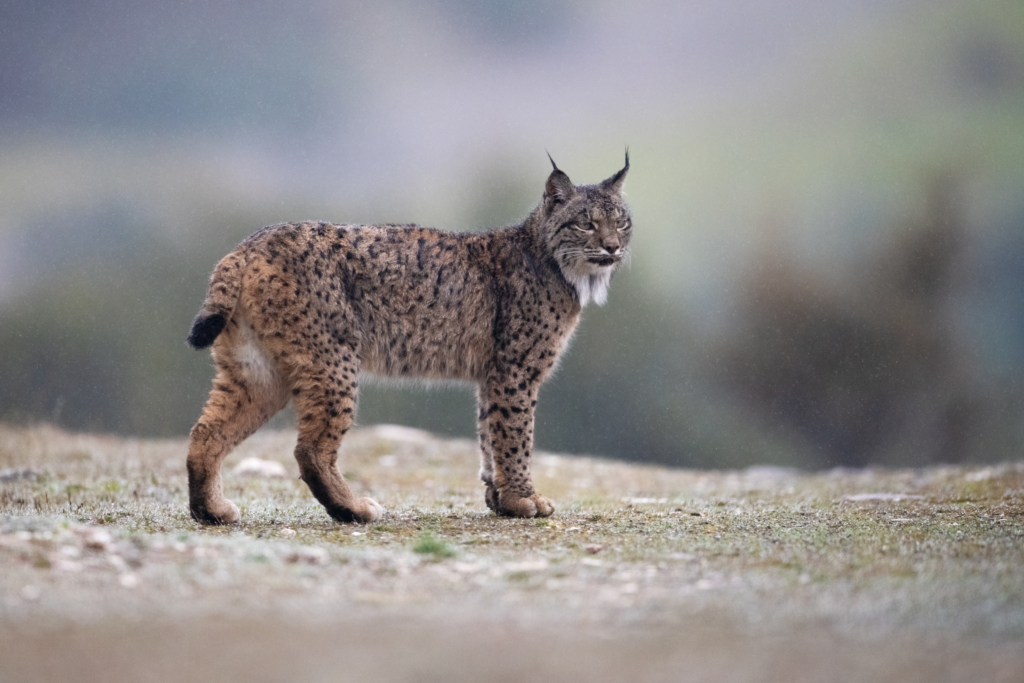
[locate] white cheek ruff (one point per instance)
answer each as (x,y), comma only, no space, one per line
(592,286)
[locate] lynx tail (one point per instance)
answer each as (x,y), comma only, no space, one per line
(225,285)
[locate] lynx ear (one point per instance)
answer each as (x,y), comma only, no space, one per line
(558,188)
(614,184)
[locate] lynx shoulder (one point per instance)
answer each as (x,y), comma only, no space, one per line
(299,310)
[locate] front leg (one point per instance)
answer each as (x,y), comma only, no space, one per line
(483,431)
(509,414)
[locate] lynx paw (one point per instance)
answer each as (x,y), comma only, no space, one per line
(487,477)
(511,505)
(220,512)
(363,511)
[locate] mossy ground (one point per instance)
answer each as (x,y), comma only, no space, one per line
(872,574)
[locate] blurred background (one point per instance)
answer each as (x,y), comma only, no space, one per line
(828,200)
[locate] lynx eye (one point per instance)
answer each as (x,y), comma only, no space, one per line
(625,227)
(589,227)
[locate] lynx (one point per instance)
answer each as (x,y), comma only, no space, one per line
(298,310)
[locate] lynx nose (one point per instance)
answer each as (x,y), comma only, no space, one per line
(612,248)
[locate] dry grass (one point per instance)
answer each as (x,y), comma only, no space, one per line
(643,572)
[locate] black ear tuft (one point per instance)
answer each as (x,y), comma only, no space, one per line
(553,164)
(614,184)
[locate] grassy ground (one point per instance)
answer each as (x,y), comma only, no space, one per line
(644,573)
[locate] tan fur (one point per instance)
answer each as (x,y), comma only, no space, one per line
(306,307)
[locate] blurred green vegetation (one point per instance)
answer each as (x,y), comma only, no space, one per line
(826,268)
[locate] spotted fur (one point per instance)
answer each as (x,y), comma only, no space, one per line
(297,311)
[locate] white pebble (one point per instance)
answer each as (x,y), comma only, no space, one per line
(255,467)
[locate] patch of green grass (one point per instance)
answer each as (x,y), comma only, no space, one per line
(429,544)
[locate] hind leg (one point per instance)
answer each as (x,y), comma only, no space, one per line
(325,401)
(236,408)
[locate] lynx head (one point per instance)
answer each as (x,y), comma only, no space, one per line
(586,229)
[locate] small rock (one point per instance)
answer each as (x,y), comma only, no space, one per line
(682,556)
(979,475)
(70,566)
(287,532)
(772,473)
(526,566)
(896,497)
(309,555)
(402,434)
(95,538)
(256,467)
(13,474)
(593,549)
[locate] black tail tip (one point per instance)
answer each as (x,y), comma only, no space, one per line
(205,330)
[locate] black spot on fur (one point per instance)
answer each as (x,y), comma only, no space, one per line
(205,330)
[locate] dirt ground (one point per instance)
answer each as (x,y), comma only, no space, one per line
(643,573)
